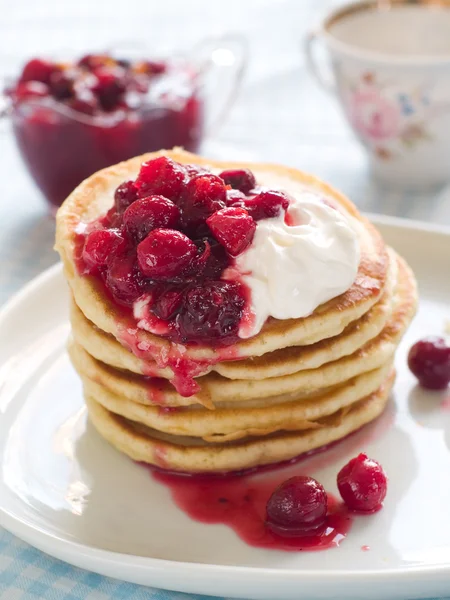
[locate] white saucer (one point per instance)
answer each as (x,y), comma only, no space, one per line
(65,491)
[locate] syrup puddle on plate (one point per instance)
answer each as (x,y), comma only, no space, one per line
(239,500)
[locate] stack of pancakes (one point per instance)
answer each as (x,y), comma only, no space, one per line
(297,385)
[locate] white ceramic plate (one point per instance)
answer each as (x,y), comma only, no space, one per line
(65,491)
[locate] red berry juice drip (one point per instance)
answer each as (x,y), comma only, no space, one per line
(238,500)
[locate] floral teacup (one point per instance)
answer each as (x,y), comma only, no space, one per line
(391,71)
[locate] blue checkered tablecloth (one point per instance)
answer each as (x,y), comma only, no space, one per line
(309,134)
(28,574)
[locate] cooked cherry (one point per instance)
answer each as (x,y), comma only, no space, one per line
(37,70)
(149,213)
(362,484)
(124,195)
(94,61)
(234,228)
(155,67)
(239,179)
(210,311)
(205,194)
(84,102)
(123,278)
(31,89)
(429,360)
(267,205)
(123,62)
(193,170)
(236,198)
(168,304)
(62,83)
(110,86)
(297,507)
(99,245)
(165,253)
(161,176)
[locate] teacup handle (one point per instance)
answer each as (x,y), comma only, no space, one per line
(227,57)
(323,77)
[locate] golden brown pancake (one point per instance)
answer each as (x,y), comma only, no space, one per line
(94,196)
(295,386)
(214,388)
(107,349)
(180,453)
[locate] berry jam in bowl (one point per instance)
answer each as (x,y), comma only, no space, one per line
(71,119)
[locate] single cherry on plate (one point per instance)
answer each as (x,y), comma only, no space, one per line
(362,484)
(429,361)
(298,507)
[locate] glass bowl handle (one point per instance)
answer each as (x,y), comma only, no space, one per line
(5,112)
(222,61)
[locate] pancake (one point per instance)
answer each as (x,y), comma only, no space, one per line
(106,349)
(94,196)
(215,388)
(227,424)
(182,453)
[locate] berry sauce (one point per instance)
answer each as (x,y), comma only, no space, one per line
(161,253)
(240,503)
(73,119)
(239,499)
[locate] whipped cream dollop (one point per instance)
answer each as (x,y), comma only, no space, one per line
(292,269)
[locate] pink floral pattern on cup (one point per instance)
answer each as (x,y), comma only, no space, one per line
(375,117)
(386,117)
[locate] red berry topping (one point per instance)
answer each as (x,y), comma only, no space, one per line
(149,213)
(205,194)
(234,228)
(212,310)
(125,195)
(37,70)
(297,507)
(123,278)
(62,83)
(239,179)
(161,176)
(168,304)
(165,253)
(236,198)
(362,484)
(100,244)
(94,61)
(193,170)
(84,102)
(267,205)
(429,360)
(155,67)
(110,86)
(31,89)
